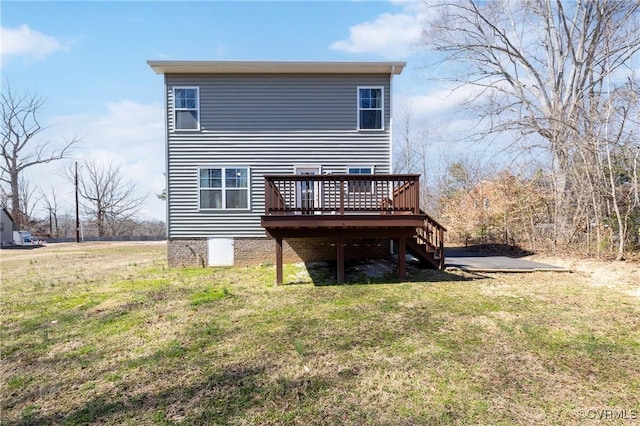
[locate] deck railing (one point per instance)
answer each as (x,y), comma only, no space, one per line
(431,236)
(342,194)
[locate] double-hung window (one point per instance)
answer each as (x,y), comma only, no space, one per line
(224,188)
(186,108)
(359,185)
(370,108)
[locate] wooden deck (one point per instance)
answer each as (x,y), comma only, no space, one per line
(351,207)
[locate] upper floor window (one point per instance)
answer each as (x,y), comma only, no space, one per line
(186,108)
(370,108)
(224,188)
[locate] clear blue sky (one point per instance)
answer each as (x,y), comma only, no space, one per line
(88,60)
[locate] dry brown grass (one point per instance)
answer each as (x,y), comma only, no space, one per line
(106,334)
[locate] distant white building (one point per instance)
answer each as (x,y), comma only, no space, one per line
(6,227)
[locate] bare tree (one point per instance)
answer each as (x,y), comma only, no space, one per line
(409,141)
(21,147)
(410,148)
(615,140)
(52,205)
(29,198)
(66,224)
(4,196)
(536,65)
(108,198)
(154,228)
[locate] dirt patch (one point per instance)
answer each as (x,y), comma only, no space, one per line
(600,272)
(108,306)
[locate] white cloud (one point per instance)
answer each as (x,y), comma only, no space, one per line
(129,135)
(452,130)
(438,110)
(442,100)
(390,36)
(24,41)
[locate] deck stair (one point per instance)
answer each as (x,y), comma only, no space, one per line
(427,245)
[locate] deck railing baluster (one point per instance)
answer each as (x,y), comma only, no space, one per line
(342,195)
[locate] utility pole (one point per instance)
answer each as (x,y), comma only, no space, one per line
(77,208)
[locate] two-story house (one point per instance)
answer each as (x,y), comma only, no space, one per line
(286,161)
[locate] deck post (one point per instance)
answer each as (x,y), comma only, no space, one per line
(402,259)
(267,196)
(340,259)
(416,201)
(441,247)
(278,261)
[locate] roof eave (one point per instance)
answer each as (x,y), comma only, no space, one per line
(274,67)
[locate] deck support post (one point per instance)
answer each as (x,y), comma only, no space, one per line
(278,261)
(340,259)
(441,265)
(402,258)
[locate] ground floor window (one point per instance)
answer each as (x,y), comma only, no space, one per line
(359,186)
(224,188)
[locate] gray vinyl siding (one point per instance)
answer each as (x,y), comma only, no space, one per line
(270,124)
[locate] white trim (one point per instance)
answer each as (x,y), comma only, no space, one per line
(360,166)
(370,109)
(370,167)
(223,168)
(174,109)
(391,119)
(317,194)
(287,67)
(307,166)
(167,206)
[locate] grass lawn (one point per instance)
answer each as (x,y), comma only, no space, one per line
(107,334)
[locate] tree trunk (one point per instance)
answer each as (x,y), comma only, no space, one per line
(616,207)
(100,224)
(57,228)
(16,212)
(560,207)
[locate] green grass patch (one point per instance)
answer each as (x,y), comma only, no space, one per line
(107,334)
(209,295)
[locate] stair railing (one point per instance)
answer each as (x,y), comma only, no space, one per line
(431,234)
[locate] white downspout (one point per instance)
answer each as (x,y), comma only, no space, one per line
(393,70)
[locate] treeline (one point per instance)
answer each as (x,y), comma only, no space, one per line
(481,206)
(108,201)
(60,227)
